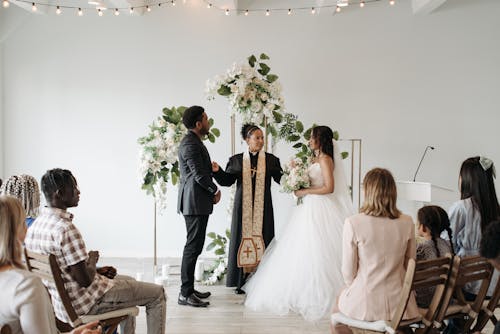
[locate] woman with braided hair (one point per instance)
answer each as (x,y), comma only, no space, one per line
(432,221)
(25,188)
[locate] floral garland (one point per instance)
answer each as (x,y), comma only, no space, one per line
(159,153)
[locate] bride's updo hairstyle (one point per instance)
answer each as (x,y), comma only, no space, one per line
(380,194)
(247,130)
(324,137)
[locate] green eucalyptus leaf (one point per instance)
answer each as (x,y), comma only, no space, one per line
(263,56)
(211,235)
(272,130)
(293,138)
(220,251)
(278,117)
(211,121)
(228,233)
(299,126)
(211,138)
(264,69)
(297,145)
(271,78)
(252,60)
(336,135)
(224,90)
(307,134)
(344,155)
(215,132)
(175,178)
(210,246)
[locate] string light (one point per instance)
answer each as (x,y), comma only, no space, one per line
(131,10)
(246,12)
(159,5)
(80,12)
(362,4)
(313,11)
(173,3)
(268,12)
(99,12)
(392,2)
(117,12)
(227,11)
(58,10)
(289,12)
(209,5)
(338,9)
(5,4)
(33,7)
(148,8)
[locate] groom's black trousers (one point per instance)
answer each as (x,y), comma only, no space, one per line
(196,227)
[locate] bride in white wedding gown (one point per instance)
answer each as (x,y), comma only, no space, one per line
(301,271)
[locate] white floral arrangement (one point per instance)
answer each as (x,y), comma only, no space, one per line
(218,270)
(295,175)
(159,163)
(252,92)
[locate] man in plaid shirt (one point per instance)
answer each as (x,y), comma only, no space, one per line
(91,290)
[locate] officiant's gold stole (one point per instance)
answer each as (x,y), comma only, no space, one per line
(252,243)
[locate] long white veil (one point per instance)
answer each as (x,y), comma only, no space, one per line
(341,191)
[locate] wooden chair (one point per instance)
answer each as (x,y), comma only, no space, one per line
(46,267)
(423,274)
(470,269)
(488,309)
(5,329)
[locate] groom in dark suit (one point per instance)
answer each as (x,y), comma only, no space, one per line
(197,195)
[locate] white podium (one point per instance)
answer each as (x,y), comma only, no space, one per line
(413,195)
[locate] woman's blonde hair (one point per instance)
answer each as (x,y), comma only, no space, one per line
(11,217)
(380,194)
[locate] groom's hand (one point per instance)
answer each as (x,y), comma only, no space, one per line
(215,167)
(217,197)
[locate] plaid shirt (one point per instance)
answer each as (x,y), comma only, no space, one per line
(54,233)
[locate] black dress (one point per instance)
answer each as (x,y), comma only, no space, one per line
(234,169)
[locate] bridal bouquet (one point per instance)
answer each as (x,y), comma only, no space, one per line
(252,91)
(295,176)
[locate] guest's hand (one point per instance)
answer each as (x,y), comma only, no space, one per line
(90,328)
(215,167)
(108,271)
(94,256)
(217,197)
(300,192)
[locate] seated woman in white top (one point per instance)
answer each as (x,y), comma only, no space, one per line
(25,305)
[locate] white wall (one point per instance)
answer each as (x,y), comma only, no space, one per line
(79,91)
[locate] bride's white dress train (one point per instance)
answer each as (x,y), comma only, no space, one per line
(301,271)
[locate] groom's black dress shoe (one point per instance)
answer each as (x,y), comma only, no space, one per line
(191,300)
(238,291)
(202,295)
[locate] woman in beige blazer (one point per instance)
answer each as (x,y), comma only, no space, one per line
(377,244)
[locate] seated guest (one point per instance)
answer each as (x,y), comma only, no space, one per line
(25,188)
(25,305)
(377,244)
(432,221)
(490,249)
(91,290)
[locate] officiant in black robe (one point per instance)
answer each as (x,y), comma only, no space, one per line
(253,217)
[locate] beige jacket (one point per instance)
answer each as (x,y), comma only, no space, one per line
(375,253)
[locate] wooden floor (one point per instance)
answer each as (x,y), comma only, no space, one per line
(226,313)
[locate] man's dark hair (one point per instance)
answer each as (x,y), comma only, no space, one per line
(54,180)
(192,115)
(490,241)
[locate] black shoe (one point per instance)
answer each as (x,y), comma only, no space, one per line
(191,300)
(202,295)
(238,291)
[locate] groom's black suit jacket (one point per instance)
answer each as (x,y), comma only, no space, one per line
(196,188)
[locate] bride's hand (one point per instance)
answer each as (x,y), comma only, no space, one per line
(215,167)
(300,192)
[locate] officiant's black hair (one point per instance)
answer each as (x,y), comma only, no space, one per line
(247,130)
(192,115)
(324,135)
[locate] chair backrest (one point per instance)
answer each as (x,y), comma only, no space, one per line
(488,310)
(405,294)
(46,267)
(5,329)
(434,273)
(467,270)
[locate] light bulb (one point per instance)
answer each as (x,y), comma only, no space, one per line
(80,12)
(148,8)
(313,11)
(33,7)
(246,12)
(117,12)
(173,3)
(5,4)
(338,9)
(392,2)
(58,10)
(289,12)
(99,12)
(131,10)
(268,12)
(362,4)
(209,5)
(227,11)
